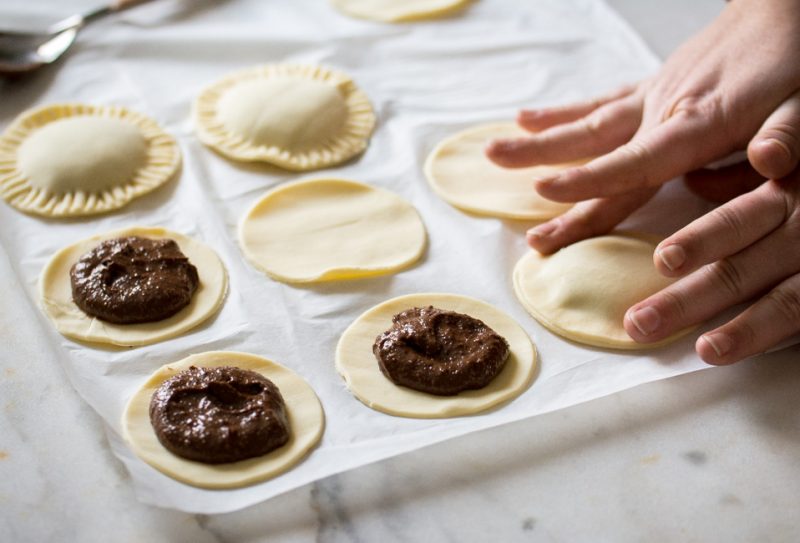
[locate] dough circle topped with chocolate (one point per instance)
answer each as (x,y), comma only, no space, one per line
(55,290)
(440,352)
(131,280)
(219,414)
(306,422)
(357,365)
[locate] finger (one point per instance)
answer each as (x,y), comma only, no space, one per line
(763,325)
(600,132)
(586,219)
(775,150)
(723,184)
(715,287)
(678,145)
(722,232)
(540,119)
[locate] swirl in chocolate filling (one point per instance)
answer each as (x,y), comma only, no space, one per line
(440,352)
(218,415)
(133,280)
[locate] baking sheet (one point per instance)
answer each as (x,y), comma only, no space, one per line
(426,81)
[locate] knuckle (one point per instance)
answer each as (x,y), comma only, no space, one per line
(675,304)
(786,302)
(727,275)
(639,154)
(731,220)
(593,126)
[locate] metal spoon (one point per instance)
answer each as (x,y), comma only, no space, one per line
(22,52)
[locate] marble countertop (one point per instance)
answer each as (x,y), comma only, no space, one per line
(708,456)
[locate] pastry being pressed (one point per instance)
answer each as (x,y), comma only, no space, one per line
(324,229)
(394,11)
(583,291)
(85,312)
(68,160)
(356,362)
(293,116)
(459,171)
(302,410)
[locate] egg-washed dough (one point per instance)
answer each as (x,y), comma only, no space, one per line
(461,174)
(68,160)
(331,229)
(357,364)
(398,11)
(306,422)
(293,116)
(583,291)
(55,291)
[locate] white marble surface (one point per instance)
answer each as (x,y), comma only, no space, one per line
(710,456)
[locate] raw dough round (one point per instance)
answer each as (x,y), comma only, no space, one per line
(306,420)
(331,229)
(398,11)
(70,159)
(357,364)
(462,175)
(55,291)
(296,117)
(583,291)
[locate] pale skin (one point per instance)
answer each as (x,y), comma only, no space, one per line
(734,86)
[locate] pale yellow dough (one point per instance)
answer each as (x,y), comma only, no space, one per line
(68,160)
(55,291)
(306,421)
(331,229)
(461,174)
(583,291)
(397,11)
(296,117)
(356,363)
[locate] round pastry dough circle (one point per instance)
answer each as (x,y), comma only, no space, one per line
(306,420)
(461,174)
(290,93)
(583,291)
(356,362)
(394,11)
(323,229)
(55,291)
(55,152)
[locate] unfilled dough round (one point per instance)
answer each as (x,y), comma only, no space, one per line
(293,116)
(356,362)
(68,160)
(306,421)
(331,229)
(461,174)
(583,291)
(396,11)
(55,291)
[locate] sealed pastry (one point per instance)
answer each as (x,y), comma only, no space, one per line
(393,11)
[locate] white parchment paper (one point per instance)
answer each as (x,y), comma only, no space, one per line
(426,81)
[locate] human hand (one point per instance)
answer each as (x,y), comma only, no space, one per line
(734,85)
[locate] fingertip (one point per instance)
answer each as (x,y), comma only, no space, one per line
(771,157)
(715,348)
(670,259)
(541,238)
(529,119)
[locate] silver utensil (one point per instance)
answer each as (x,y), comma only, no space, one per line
(22,52)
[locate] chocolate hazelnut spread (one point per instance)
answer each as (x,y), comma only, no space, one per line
(132,280)
(440,352)
(218,415)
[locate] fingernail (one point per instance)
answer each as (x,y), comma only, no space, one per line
(672,256)
(549,180)
(721,343)
(646,320)
(541,231)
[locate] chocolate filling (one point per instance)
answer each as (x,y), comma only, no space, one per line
(132,280)
(218,415)
(440,352)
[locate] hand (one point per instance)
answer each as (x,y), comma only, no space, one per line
(749,247)
(734,85)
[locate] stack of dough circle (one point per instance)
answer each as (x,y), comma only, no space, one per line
(357,364)
(68,160)
(331,229)
(296,117)
(583,291)
(55,290)
(306,422)
(461,174)
(394,11)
